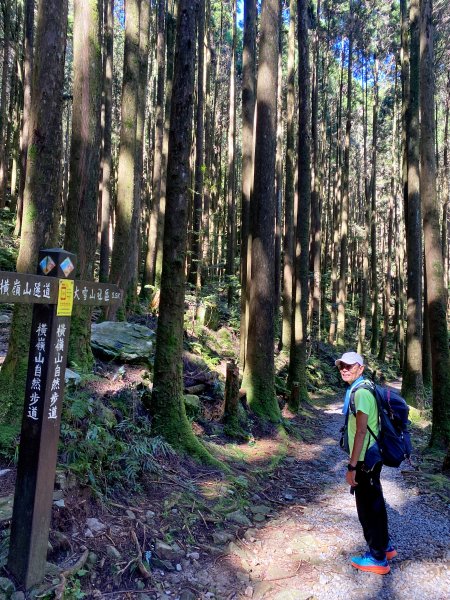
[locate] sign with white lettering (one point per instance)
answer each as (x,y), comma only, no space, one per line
(52,292)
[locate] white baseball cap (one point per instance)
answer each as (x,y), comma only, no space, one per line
(350,358)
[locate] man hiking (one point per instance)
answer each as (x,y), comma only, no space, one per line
(364,467)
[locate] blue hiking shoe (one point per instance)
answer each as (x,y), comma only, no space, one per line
(368,563)
(391,552)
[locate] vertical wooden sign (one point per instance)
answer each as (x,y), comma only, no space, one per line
(41,422)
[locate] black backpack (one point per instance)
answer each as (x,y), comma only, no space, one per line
(393,440)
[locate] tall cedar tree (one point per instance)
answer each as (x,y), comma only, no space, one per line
(167,404)
(231,198)
(259,365)
(42,188)
(436,293)
(195,273)
(144,41)
(373,212)
(288,236)
(248,113)
(412,386)
(81,215)
(28,42)
(297,365)
(107,129)
(152,246)
(171,34)
(344,209)
(125,234)
(4,158)
(316,217)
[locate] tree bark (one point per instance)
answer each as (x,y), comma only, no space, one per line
(440,432)
(316,217)
(342,294)
(231,199)
(152,246)
(196,248)
(298,357)
(248,113)
(4,100)
(125,234)
(288,237)
(373,215)
(412,386)
(81,213)
(337,193)
(259,374)
(107,156)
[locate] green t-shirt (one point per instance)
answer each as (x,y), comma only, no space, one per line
(366,403)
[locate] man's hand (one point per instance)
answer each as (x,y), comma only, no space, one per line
(350,478)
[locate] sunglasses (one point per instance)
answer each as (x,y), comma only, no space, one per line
(344,367)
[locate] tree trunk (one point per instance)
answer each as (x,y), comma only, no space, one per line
(107,156)
(41,189)
(167,405)
(446,190)
(144,41)
(278,179)
(342,295)
(248,112)
(209,143)
(231,199)
(4,100)
(81,214)
(412,386)
(392,200)
(316,217)
(440,432)
(297,365)
(337,192)
(365,243)
(158,242)
(125,234)
(288,237)
(373,215)
(152,247)
(259,374)
(196,257)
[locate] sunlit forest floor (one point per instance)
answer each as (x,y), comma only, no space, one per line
(281,525)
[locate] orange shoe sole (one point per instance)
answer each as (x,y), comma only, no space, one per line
(392,554)
(373,569)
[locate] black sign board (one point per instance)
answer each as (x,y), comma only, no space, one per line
(52,292)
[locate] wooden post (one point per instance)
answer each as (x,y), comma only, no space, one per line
(231,393)
(40,425)
(295,394)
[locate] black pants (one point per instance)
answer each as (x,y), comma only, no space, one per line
(372,509)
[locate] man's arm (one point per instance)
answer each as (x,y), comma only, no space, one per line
(361,430)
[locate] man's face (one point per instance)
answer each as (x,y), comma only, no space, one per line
(350,373)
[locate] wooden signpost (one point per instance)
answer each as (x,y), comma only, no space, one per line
(53,292)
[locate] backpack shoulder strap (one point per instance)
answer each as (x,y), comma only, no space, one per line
(364,385)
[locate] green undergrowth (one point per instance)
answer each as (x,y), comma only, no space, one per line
(107,445)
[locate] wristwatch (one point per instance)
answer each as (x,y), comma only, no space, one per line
(350,467)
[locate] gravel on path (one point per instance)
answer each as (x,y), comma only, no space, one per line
(303,554)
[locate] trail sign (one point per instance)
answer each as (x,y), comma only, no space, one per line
(53,292)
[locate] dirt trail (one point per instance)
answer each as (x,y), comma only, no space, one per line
(303,552)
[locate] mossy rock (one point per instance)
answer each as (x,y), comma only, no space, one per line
(127,342)
(192,404)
